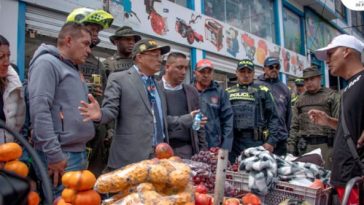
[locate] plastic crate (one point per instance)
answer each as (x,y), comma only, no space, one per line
(282,191)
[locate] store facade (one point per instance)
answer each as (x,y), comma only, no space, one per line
(222,31)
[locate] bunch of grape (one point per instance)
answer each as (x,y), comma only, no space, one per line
(210,158)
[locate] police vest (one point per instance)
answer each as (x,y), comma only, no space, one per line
(246,106)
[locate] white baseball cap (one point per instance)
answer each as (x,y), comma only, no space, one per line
(341,40)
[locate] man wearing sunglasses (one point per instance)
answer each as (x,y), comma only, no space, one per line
(255,115)
(282,98)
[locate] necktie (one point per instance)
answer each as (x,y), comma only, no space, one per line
(158,128)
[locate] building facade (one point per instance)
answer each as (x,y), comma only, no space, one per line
(222,31)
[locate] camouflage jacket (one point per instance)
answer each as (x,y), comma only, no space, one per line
(326,100)
(116,62)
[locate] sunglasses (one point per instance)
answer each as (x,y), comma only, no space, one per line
(277,67)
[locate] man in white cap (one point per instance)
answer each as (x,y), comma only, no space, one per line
(343,57)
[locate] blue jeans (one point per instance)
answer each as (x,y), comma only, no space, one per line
(75,161)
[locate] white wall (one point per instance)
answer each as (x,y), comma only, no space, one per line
(9,25)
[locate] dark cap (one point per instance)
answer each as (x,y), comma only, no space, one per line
(311,72)
(271,61)
(148,45)
(124,31)
(245,63)
(299,82)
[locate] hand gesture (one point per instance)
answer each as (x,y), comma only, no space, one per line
(318,117)
(90,111)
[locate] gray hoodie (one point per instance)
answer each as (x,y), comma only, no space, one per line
(55,92)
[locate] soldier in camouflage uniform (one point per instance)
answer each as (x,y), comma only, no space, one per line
(93,73)
(124,39)
(255,115)
(304,135)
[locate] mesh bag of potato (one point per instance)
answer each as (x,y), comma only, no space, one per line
(154,181)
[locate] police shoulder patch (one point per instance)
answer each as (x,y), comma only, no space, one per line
(264,88)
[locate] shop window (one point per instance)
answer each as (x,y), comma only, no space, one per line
(215,9)
(180,2)
(340,9)
(292,25)
(256,17)
(357,21)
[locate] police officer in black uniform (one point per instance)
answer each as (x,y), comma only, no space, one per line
(255,115)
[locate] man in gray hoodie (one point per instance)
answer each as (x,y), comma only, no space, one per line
(55,91)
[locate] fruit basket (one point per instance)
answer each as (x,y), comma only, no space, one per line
(282,191)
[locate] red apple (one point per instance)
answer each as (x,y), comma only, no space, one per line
(202,199)
(201,189)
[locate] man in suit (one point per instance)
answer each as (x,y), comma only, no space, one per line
(181,99)
(135,101)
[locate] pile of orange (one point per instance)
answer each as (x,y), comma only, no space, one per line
(78,189)
(9,159)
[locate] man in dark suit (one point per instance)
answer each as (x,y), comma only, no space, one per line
(181,99)
(135,101)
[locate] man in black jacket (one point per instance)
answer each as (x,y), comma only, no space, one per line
(181,99)
(343,57)
(282,99)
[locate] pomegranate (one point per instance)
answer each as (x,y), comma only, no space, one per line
(163,151)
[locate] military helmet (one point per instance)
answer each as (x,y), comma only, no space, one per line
(86,15)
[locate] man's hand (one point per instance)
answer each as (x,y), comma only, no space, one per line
(203,120)
(56,171)
(90,111)
(97,91)
(321,118)
(318,117)
(268,147)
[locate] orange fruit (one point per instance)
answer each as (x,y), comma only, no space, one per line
(18,167)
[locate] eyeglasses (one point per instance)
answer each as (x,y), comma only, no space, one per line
(160,57)
(277,67)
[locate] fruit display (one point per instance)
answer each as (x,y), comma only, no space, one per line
(9,154)
(78,189)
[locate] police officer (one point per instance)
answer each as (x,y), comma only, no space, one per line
(255,115)
(304,135)
(299,82)
(124,39)
(299,89)
(93,73)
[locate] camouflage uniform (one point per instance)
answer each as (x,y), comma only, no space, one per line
(306,136)
(96,147)
(117,62)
